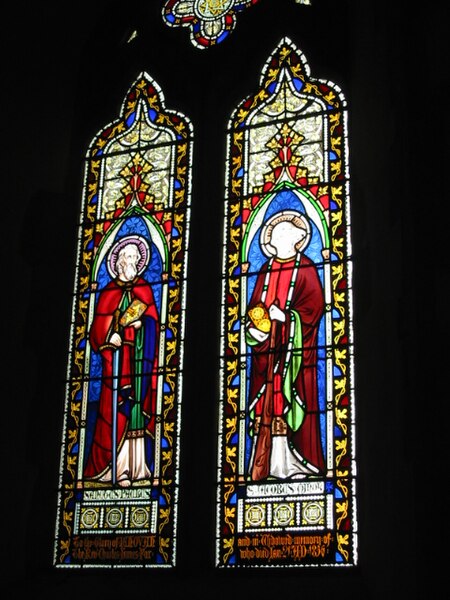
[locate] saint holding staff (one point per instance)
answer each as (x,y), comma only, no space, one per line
(125,331)
(284,314)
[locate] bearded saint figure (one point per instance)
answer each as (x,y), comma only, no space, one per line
(125,331)
(284,311)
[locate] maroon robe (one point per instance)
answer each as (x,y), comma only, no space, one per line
(308,302)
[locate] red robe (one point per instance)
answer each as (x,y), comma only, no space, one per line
(103,325)
(303,315)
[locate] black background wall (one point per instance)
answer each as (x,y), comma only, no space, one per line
(65,71)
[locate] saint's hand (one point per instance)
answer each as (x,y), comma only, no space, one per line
(136,324)
(115,340)
(276,313)
(260,336)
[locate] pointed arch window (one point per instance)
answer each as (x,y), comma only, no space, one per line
(286,459)
(119,461)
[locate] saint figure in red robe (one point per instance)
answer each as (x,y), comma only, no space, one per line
(125,331)
(287,302)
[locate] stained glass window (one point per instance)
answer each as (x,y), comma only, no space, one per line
(286,460)
(119,463)
(209,21)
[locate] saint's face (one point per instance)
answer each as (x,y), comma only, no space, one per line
(128,261)
(285,236)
